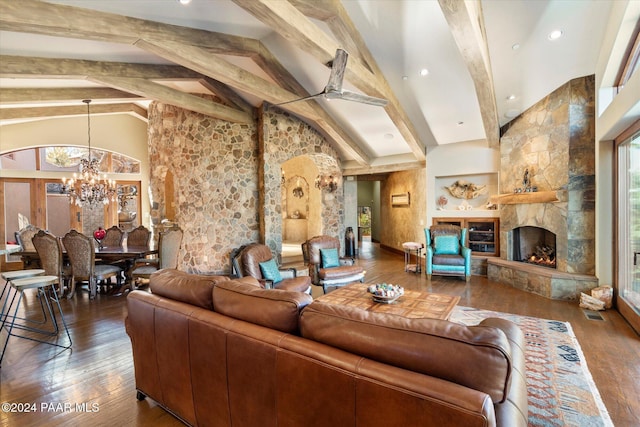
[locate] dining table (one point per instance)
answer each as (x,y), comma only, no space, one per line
(125,254)
(8,249)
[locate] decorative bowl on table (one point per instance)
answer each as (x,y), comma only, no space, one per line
(385,292)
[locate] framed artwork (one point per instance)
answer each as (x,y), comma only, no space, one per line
(400,199)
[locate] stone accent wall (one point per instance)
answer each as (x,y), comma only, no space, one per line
(555,141)
(284,137)
(214,167)
(227,180)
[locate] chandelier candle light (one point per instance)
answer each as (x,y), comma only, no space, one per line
(88,188)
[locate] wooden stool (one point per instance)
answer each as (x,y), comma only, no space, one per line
(41,284)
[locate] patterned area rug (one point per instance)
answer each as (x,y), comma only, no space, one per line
(560,387)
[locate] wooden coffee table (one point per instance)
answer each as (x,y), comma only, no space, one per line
(412,305)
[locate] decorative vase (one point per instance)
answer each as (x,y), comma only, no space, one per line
(99,234)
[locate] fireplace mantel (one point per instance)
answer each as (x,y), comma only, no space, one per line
(520,198)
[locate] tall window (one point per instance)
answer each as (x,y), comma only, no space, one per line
(629,226)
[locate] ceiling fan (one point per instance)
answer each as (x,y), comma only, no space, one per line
(333,89)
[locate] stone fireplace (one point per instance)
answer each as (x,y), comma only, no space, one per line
(550,147)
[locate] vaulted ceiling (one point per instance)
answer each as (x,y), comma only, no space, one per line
(124,54)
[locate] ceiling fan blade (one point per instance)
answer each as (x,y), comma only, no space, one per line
(365,99)
(306,98)
(337,71)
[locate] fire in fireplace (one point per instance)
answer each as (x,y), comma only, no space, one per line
(534,245)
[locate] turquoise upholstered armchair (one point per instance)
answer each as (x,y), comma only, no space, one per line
(447,251)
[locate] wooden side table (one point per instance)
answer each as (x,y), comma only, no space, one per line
(411,249)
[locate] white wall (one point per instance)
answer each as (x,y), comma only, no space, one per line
(464,158)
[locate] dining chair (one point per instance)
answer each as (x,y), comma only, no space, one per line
(169,242)
(49,249)
(24,236)
(113,237)
(139,236)
(82,256)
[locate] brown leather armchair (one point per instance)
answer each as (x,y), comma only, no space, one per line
(333,270)
(247,260)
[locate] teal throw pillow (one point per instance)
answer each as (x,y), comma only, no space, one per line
(446,245)
(269,270)
(330,258)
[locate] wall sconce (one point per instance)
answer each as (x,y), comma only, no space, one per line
(327,183)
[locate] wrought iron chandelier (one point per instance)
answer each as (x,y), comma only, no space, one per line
(88,188)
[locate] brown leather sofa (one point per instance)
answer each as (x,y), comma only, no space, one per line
(220,352)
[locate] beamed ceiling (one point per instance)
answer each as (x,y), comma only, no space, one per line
(124,54)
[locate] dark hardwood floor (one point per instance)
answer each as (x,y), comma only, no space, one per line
(95,379)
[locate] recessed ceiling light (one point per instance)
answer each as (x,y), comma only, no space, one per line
(424,72)
(184,1)
(388,136)
(516,46)
(460,123)
(555,34)
(511,97)
(405,77)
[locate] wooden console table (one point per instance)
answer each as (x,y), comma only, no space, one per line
(412,305)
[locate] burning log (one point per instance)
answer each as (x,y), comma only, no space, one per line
(543,255)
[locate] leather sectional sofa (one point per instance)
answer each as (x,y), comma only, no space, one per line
(221,352)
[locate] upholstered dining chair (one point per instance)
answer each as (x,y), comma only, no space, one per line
(49,249)
(24,237)
(169,242)
(139,236)
(113,237)
(326,267)
(257,261)
(82,256)
(447,252)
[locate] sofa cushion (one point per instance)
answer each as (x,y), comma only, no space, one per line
(272,308)
(446,245)
(298,284)
(181,286)
(330,258)
(269,270)
(451,260)
(477,357)
(339,272)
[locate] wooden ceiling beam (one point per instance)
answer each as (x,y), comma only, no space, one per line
(467,27)
(384,169)
(24,67)
(131,78)
(158,92)
(30,95)
(70,110)
(293,25)
(38,17)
